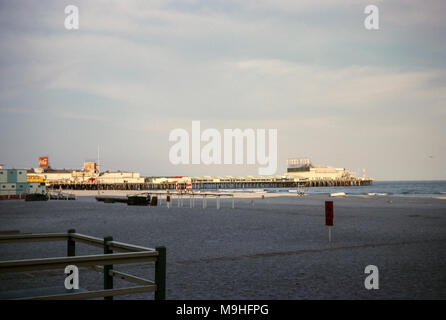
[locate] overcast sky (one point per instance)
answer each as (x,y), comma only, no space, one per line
(336,92)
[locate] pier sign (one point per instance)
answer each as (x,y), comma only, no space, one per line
(329,213)
(43,162)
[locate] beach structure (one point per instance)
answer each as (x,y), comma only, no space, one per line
(300,173)
(214,183)
(153,198)
(302,168)
(115,254)
(110,178)
(88,177)
(14,184)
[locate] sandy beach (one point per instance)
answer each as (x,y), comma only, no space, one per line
(271,248)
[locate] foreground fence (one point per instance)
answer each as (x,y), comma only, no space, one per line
(125,254)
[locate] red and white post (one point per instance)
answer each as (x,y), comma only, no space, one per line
(329,217)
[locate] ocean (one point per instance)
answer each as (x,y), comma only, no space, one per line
(435,188)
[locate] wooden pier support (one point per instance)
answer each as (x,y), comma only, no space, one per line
(208,185)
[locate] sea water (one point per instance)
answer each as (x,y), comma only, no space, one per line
(435,188)
(396,188)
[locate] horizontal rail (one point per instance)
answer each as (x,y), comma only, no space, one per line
(33,237)
(130,278)
(98,242)
(80,261)
(114,245)
(124,276)
(121,246)
(96,294)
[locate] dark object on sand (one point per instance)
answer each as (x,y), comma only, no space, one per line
(132,200)
(36,197)
(111,199)
(138,200)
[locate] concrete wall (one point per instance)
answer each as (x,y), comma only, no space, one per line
(57,176)
(120,177)
(14,182)
(3,176)
(17,188)
(317,173)
(12,175)
(36,187)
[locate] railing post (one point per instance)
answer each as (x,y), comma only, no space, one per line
(160,274)
(108,279)
(71,244)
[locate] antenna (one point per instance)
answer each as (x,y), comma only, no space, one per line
(97,180)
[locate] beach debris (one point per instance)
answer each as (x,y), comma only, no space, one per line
(61,196)
(36,197)
(111,199)
(299,192)
(138,200)
(338,194)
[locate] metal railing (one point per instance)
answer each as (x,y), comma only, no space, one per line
(126,253)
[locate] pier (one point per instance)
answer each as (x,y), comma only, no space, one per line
(215,184)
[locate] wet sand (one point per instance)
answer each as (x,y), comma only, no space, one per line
(271,248)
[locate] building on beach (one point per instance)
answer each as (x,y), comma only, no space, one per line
(89,175)
(120,177)
(15,185)
(303,169)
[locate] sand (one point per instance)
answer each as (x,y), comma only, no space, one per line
(271,248)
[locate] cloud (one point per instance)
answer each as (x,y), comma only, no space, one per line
(308,68)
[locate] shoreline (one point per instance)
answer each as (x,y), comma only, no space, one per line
(251,195)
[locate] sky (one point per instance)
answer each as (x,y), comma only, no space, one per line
(336,92)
